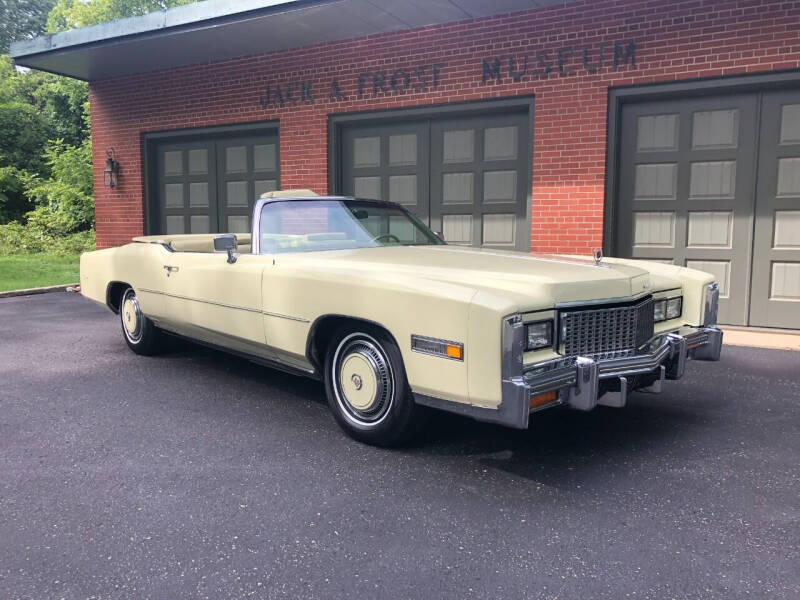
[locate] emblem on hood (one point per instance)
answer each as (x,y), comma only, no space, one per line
(598,255)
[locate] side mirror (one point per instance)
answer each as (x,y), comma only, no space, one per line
(227,242)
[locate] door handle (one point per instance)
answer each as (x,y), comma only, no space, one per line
(170,269)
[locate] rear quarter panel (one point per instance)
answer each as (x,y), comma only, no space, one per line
(138,264)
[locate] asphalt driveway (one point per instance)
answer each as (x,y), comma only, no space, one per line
(196,474)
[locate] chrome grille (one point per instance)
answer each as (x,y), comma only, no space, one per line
(606,330)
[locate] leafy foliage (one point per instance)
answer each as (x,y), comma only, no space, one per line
(64,202)
(20,19)
(69,14)
(46,201)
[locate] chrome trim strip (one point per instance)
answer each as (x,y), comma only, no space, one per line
(574,303)
(224,305)
(259,360)
(282,316)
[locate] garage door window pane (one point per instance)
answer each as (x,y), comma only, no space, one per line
(790,124)
(403,189)
(655,181)
(457,229)
(498,230)
(264,157)
(654,229)
(199,223)
(457,188)
(236,159)
(264,186)
(368,187)
(500,143)
(237,193)
(713,179)
(173,195)
(238,224)
(715,129)
(459,146)
(173,162)
(785,281)
(656,132)
(198,194)
(710,228)
(198,162)
(499,186)
(787,229)
(789,177)
(367,152)
(175,224)
(403,149)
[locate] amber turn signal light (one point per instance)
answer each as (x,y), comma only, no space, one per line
(454,351)
(546,398)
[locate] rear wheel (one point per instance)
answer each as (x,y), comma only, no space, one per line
(140,334)
(365,382)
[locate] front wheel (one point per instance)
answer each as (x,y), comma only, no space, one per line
(140,334)
(365,382)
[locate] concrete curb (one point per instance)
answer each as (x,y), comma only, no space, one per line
(774,340)
(39,290)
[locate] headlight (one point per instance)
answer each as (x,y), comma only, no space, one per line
(659,310)
(667,308)
(674,307)
(539,334)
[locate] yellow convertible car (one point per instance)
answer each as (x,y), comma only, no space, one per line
(362,295)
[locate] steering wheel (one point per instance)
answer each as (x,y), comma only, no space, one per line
(387,236)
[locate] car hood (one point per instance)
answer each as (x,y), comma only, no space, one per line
(531,279)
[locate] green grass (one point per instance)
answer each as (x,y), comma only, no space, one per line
(21,271)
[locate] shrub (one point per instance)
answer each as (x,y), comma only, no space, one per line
(16,238)
(64,202)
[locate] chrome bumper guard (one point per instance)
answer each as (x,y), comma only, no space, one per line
(583,382)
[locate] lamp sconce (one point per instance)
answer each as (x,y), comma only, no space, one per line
(111,172)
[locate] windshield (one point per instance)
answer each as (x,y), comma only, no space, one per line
(314,225)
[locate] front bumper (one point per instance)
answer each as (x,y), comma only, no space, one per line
(583,382)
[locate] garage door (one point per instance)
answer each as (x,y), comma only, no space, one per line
(466,177)
(209,185)
(712,183)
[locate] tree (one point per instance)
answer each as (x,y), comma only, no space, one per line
(70,14)
(20,19)
(45,151)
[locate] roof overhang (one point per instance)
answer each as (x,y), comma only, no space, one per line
(221,29)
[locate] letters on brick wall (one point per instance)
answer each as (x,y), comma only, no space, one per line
(567,60)
(564,61)
(372,84)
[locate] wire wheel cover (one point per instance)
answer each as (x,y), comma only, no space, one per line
(363,379)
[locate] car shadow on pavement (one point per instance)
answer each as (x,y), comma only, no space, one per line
(558,446)
(562,445)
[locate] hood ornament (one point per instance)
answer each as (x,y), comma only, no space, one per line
(598,255)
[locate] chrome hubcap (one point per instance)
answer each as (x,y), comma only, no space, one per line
(131,316)
(363,379)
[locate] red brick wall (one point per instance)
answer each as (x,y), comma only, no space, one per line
(674,40)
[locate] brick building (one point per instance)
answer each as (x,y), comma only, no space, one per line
(662,129)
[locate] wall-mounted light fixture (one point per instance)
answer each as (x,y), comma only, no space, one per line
(111,172)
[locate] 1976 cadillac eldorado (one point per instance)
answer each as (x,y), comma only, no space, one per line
(361,294)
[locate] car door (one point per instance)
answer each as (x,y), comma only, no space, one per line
(217,302)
